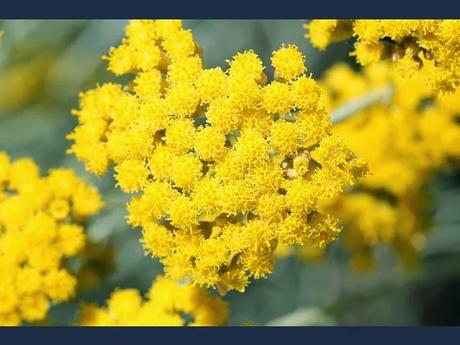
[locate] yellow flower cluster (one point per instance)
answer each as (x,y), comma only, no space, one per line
(39,226)
(404,140)
(225,164)
(371,220)
(411,44)
(167,304)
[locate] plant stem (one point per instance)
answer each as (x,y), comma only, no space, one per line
(353,106)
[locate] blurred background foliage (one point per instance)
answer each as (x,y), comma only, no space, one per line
(43,67)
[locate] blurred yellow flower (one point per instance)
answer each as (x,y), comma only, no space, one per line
(405,140)
(326,31)
(167,304)
(39,227)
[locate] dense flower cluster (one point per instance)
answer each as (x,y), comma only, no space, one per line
(405,140)
(225,164)
(39,226)
(411,44)
(167,304)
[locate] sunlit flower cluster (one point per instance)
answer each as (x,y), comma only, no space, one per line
(167,304)
(225,164)
(40,225)
(405,140)
(411,44)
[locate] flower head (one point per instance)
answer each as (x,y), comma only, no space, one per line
(209,150)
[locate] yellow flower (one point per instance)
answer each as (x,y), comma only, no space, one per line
(405,140)
(166,304)
(210,153)
(326,31)
(413,45)
(211,84)
(276,98)
(288,62)
(38,231)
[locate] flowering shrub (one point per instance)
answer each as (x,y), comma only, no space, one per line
(40,225)
(224,164)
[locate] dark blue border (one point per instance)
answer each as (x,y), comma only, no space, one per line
(233,9)
(231,335)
